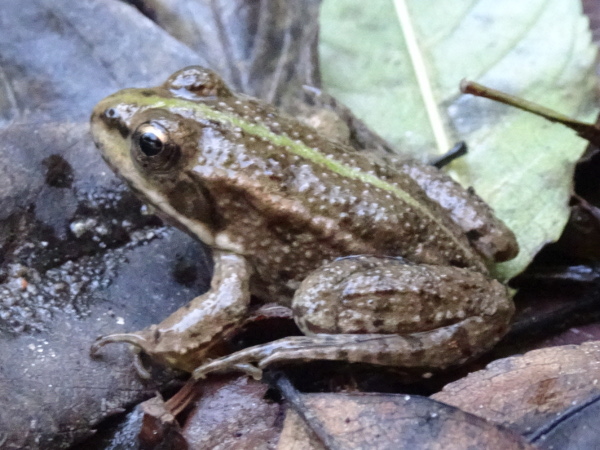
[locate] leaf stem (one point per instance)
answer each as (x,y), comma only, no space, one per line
(586,130)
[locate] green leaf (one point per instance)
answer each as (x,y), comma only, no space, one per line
(540,50)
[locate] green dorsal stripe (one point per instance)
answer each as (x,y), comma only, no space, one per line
(296,147)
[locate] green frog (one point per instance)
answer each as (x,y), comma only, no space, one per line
(382,261)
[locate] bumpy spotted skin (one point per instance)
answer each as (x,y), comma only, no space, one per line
(281,202)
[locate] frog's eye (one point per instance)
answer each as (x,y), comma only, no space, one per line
(153,148)
(151,139)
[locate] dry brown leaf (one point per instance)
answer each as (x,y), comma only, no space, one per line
(233,414)
(296,434)
(377,421)
(575,429)
(524,392)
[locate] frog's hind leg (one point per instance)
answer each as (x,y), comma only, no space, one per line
(421,352)
(386,312)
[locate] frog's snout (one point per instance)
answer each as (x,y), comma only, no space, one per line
(107,116)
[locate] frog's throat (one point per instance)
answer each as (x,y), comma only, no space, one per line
(298,148)
(160,202)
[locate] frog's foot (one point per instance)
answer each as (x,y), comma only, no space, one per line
(252,360)
(138,340)
(421,352)
(371,348)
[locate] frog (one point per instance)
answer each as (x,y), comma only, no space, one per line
(382,261)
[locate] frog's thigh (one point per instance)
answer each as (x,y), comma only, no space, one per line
(489,235)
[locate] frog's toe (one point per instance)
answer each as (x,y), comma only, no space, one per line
(284,356)
(233,363)
(140,367)
(130,338)
(249,369)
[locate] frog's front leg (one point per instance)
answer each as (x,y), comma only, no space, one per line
(383,311)
(198,330)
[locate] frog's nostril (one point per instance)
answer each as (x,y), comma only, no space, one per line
(111,113)
(113,119)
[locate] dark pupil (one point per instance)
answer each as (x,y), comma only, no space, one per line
(150,144)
